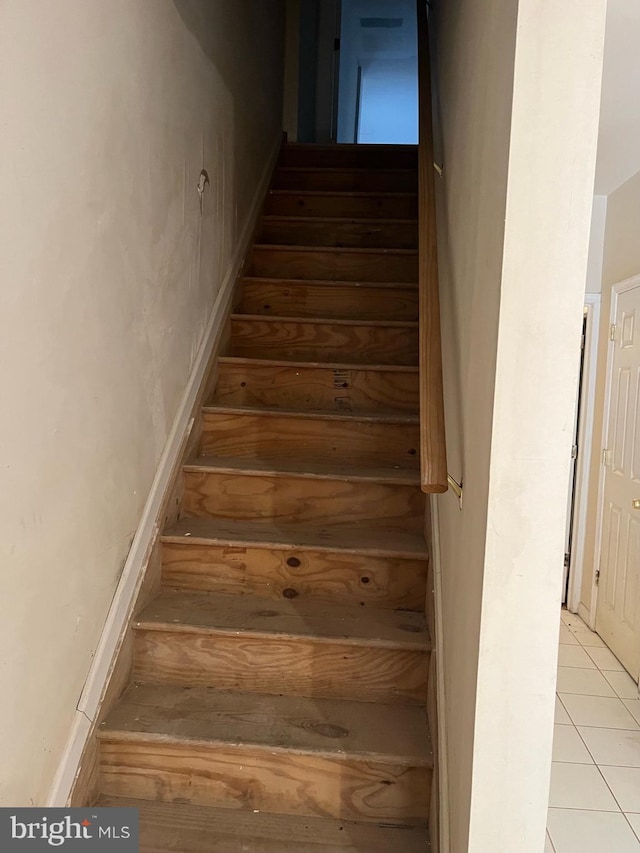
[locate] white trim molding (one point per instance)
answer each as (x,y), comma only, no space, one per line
(585,435)
(146,534)
(442,781)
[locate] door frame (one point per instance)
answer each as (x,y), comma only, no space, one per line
(592,303)
(616,290)
(329,24)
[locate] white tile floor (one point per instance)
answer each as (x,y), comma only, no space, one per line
(594,805)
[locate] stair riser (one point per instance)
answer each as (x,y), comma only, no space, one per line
(308,388)
(323,342)
(202,829)
(248,778)
(297,299)
(272,573)
(363,206)
(374,180)
(388,235)
(288,666)
(310,440)
(331,502)
(334,265)
(351,156)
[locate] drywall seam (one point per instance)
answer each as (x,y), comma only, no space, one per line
(135,566)
(443,775)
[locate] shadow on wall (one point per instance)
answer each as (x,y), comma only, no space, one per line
(227,37)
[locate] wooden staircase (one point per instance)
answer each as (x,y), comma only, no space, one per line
(280,676)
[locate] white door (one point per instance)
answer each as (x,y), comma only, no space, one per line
(618,608)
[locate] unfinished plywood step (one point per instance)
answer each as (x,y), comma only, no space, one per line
(334,263)
(333,387)
(181,828)
(363,205)
(324,339)
(308,437)
(368,567)
(294,648)
(332,231)
(286,491)
(345,179)
(251,751)
(350,156)
(331,299)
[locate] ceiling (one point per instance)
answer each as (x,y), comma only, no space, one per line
(374,39)
(619,136)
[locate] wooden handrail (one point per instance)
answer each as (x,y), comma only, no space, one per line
(433,454)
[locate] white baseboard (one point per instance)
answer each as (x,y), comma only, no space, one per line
(134,569)
(585,615)
(443,841)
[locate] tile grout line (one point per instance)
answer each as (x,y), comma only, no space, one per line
(587,745)
(602,728)
(597,767)
(630,824)
(636,722)
(553,846)
(594,811)
(613,729)
(592,695)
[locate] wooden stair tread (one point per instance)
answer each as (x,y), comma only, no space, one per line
(333,203)
(369,417)
(323,365)
(329,321)
(181,828)
(337,220)
(282,467)
(170,713)
(343,250)
(351,148)
(329,282)
(205,613)
(363,540)
(350,170)
(345,193)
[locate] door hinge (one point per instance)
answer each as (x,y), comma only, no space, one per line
(336,44)
(612,332)
(605,457)
(574,451)
(597,577)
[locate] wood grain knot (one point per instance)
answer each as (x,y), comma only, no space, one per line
(294,562)
(329,730)
(290,593)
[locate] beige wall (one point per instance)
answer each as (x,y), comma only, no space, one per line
(109,110)
(475,49)
(596,244)
(620,260)
(519,92)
